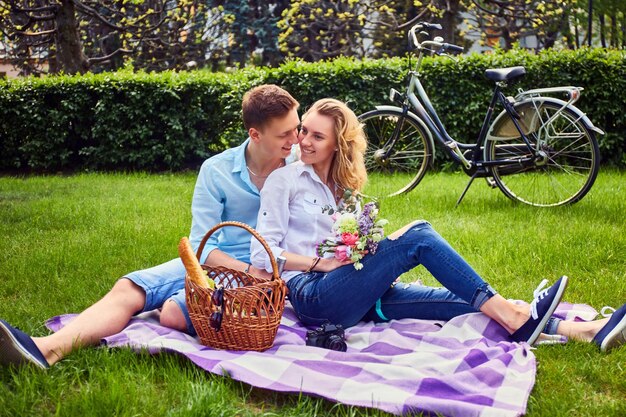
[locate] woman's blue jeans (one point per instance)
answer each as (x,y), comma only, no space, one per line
(346,296)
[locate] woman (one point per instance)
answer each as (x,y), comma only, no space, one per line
(293,219)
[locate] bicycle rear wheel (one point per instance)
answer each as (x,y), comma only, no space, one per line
(405,163)
(567,155)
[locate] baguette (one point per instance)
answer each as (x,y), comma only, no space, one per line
(194,270)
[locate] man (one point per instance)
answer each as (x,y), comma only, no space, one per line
(227,188)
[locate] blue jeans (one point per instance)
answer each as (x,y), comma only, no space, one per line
(346,296)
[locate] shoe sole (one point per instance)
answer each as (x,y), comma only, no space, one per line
(555,303)
(12,352)
(616,337)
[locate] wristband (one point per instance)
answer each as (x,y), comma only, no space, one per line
(313,264)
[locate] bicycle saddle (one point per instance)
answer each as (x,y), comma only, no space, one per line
(505,74)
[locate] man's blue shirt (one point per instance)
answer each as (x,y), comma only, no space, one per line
(224,192)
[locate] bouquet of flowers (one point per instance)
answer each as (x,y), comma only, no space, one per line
(356,229)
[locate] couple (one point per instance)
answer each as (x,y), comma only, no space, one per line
(228,188)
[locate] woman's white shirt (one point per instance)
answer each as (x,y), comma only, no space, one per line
(292,216)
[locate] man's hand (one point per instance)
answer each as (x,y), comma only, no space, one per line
(261,273)
(217,257)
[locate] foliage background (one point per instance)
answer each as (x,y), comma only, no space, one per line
(77,36)
(174,120)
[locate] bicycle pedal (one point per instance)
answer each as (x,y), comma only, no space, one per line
(491,183)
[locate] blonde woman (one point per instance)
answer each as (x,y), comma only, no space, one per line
(293,219)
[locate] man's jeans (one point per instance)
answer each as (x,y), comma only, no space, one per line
(346,296)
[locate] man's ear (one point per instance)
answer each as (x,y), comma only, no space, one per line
(255,134)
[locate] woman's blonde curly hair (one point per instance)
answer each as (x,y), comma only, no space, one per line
(348,168)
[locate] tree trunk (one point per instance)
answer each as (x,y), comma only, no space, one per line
(508,40)
(614,35)
(567,30)
(448,20)
(624,31)
(70,56)
(602,30)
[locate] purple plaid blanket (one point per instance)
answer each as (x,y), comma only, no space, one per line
(465,366)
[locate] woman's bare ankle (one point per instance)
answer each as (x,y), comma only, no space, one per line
(509,315)
(520,315)
(581,331)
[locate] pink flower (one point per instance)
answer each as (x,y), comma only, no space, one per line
(343,253)
(349,239)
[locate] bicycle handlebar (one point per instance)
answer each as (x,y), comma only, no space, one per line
(435,45)
(452,47)
(429,26)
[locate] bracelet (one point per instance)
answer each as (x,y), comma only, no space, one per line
(247,270)
(313,264)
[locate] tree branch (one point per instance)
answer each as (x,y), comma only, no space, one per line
(42,18)
(51,8)
(412,21)
(92,12)
(45,32)
(96,60)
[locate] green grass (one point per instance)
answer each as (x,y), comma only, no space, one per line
(66,240)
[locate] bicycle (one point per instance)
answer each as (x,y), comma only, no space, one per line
(539,150)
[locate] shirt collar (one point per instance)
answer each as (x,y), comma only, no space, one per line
(239,162)
(301,168)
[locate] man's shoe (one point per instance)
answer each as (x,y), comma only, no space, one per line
(613,333)
(18,348)
(541,309)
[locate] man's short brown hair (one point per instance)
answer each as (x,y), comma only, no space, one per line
(264,103)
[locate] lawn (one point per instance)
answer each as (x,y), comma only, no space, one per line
(65,240)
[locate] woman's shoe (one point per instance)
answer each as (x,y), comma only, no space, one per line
(541,309)
(613,333)
(17,348)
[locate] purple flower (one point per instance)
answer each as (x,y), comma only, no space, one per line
(372,246)
(365,224)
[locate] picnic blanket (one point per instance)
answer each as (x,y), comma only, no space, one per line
(463,367)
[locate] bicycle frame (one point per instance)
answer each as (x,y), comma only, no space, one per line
(418,99)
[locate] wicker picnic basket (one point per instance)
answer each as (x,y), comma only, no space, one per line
(251,308)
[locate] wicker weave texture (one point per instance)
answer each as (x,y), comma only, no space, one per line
(252,306)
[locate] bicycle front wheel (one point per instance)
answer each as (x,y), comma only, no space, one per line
(397,155)
(566,155)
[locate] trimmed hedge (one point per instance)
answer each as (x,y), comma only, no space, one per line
(173,121)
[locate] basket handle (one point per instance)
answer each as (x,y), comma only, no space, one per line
(249,229)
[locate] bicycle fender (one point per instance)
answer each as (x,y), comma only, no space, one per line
(583,117)
(416,119)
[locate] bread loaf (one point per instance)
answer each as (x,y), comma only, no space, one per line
(192,266)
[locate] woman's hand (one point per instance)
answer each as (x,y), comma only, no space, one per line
(330,264)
